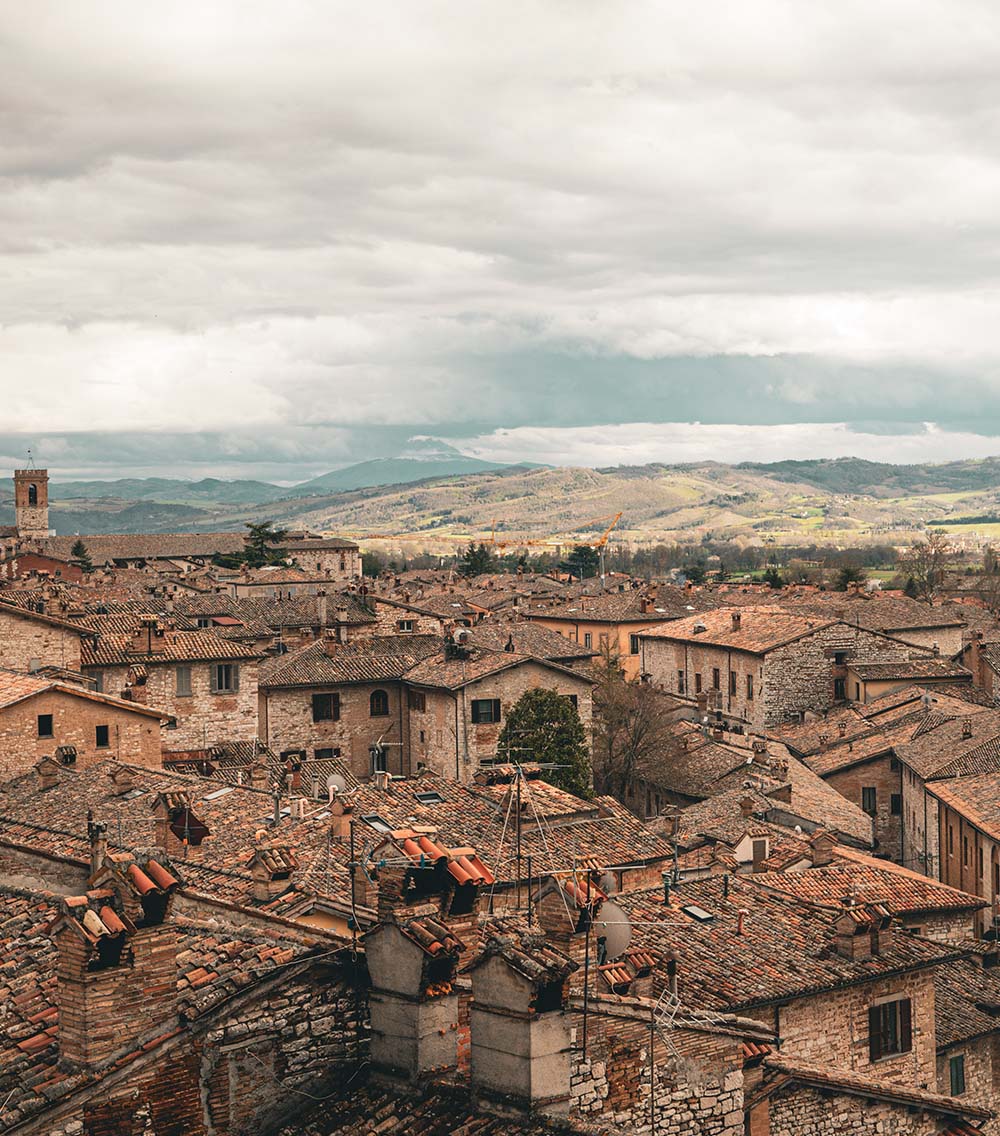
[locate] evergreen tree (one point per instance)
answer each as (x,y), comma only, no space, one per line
(583,562)
(476,560)
(261,545)
(81,555)
(544,726)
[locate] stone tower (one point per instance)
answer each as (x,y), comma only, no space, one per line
(31,503)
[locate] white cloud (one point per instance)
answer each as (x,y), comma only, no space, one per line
(638,443)
(247,215)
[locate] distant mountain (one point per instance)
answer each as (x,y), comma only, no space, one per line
(208,491)
(855,475)
(390,471)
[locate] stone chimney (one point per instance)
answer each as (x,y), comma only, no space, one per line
(322,613)
(413,1003)
(123,779)
(747,805)
(520,1030)
(966,727)
(177,830)
(341,815)
(737,618)
(259,776)
(98,837)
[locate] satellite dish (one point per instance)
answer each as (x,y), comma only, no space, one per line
(615,927)
(462,636)
(335,783)
(608,883)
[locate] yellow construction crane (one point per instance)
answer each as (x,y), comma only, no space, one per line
(599,544)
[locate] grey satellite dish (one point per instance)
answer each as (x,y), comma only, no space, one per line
(608,883)
(335,783)
(615,927)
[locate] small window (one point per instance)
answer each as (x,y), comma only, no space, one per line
(45,725)
(378,704)
(416,700)
(896,804)
(750,688)
(32,494)
(869,799)
(225,678)
(376,822)
(485,710)
(889,1029)
(697,682)
(951,840)
(102,737)
(326,707)
(327,753)
(431,798)
(893,764)
(183,682)
(633,644)
(857,692)
(204,621)
(956,1074)
(97,682)
(572,700)
(979,854)
(732,683)
(404,626)
(588,640)
(839,658)
(716,679)
(965,851)
(680,682)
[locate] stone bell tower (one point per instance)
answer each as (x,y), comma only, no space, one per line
(31,503)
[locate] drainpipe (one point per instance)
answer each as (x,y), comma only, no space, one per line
(458,776)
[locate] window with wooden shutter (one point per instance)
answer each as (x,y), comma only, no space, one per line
(890,1028)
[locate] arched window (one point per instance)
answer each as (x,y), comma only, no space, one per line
(32,494)
(379,703)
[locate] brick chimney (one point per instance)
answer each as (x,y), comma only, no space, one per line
(148,638)
(737,618)
(341,814)
(747,805)
(177,831)
(47,770)
(821,849)
(861,931)
(322,608)
(520,1030)
(116,983)
(271,868)
(966,727)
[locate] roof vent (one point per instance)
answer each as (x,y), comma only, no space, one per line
(699,628)
(737,620)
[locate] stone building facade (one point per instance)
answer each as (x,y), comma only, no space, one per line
(761,666)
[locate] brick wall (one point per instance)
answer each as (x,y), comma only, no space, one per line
(25,641)
(132,737)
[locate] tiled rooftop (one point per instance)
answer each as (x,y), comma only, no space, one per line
(785,948)
(760,629)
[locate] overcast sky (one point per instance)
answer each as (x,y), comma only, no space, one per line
(268,239)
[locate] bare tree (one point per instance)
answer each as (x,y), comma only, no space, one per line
(924,563)
(631,729)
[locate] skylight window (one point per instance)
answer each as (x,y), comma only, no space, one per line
(376,822)
(432,798)
(698,913)
(132,794)
(218,793)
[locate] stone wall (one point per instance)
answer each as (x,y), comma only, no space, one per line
(287,723)
(982,1075)
(697,1082)
(798,1109)
(203,718)
(831,1030)
(26,644)
(878,773)
(132,737)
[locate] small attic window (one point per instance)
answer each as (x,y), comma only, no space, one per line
(698,913)
(550,997)
(432,798)
(132,794)
(376,822)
